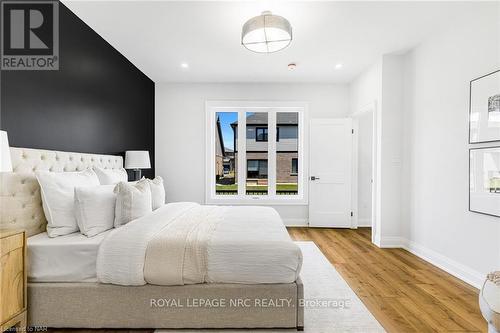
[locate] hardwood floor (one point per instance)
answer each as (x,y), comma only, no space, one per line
(404,293)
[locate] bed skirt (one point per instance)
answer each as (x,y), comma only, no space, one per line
(95,305)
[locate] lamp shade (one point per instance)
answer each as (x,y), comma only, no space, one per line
(5,162)
(266,33)
(137,159)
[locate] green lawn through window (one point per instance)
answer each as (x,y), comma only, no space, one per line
(279,187)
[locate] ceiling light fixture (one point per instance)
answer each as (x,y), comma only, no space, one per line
(266,33)
(184,65)
(338,66)
(292,66)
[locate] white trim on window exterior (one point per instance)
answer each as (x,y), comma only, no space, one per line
(271,108)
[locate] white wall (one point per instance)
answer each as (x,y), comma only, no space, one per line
(391,150)
(381,86)
(437,74)
(365,143)
(366,88)
(180,129)
(365,92)
(422,160)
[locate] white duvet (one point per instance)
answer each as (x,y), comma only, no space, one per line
(187,243)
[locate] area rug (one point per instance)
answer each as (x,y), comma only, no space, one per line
(331,305)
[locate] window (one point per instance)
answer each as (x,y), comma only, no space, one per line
(286,152)
(261,134)
(256,153)
(225,138)
(295,166)
(244,164)
(256,169)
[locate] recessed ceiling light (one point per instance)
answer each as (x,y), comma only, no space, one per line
(185,65)
(338,66)
(292,66)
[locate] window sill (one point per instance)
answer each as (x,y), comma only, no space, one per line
(257,201)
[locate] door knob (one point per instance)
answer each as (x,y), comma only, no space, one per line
(314,178)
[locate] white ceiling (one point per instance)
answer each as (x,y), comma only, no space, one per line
(158,36)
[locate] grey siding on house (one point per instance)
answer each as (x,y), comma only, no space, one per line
(288,139)
(252,144)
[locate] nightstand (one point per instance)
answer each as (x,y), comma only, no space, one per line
(13,283)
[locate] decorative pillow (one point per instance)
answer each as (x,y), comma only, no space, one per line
(58,198)
(111,176)
(132,201)
(95,208)
(157,192)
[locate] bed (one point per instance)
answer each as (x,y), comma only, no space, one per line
(66,274)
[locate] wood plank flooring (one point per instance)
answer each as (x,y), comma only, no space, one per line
(404,293)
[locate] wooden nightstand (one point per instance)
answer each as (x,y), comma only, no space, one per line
(13,283)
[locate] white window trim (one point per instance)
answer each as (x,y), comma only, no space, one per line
(211,107)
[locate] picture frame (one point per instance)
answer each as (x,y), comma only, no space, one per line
(484,108)
(484,180)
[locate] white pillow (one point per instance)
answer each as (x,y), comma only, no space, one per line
(111,176)
(95,208)
(58,198)
(132,201)
(157,192)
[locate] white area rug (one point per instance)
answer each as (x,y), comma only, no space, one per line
(323,282)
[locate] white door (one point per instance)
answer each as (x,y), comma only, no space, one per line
(330,172)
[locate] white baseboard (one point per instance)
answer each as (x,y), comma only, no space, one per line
(296,222)
(458,270)
(392,242)
(364,222)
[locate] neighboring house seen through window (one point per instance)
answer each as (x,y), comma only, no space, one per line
(255,167)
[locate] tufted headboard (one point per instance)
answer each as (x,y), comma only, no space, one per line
(20,201)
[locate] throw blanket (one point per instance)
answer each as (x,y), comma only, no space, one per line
(134,253)
(186,240)
(187,243)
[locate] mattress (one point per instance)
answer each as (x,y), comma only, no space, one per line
(68,258)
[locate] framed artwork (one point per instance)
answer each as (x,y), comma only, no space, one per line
(484,108)
(484,181)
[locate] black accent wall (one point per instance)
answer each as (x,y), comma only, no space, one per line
(97,102)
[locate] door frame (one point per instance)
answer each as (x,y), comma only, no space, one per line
(376,170)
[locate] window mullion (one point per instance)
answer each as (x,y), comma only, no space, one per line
(302,132)
(271,146)
(242,147)
(211,153)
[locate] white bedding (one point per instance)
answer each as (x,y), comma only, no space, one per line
(68,258)
(183,243)
(252,245)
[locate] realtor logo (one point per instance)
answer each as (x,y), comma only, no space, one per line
(30,35)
